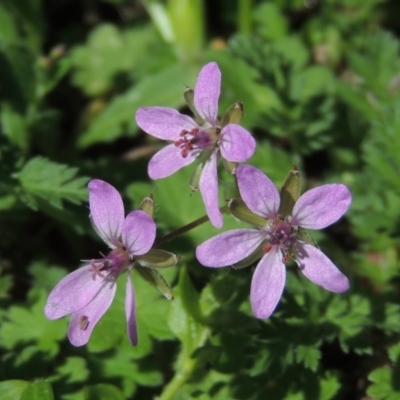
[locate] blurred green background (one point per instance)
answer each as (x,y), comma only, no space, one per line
(320,85)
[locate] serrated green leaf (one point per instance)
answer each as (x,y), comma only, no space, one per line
(103,391)
(384,383)
(48,181)
(394,352)
(182,324)
(311,82)
(12,389)
(308,355)
(44,332)
(117,119)
(13,126)
(73,370)
(39,390)
(329,387)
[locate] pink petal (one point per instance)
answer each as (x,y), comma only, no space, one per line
(138,232)
(229,247)
(78,333)
(321,206)
(163,123)
(106,211)
(167,161)
(130,310)
(267,283)
(208,186)
(206,92)
(318,268)
(258,191)
(237,145)
(73,292)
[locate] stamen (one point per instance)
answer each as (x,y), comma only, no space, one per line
(96,269)
(267,248)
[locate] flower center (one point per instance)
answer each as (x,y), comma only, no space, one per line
(197,140)
(280,233)
(114,263)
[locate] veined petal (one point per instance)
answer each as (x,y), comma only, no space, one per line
(229,247)
(267,283)
(208,186)
(318,268)
(163,123)
(74,292)
(138,232)
(167,161)
(322,206)
(106,211)
(206,92)
(257,191)
(130,310)
(237,145)
(84,320)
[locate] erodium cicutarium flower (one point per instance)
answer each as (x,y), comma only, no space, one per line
(190,139)
(279,238)
(88,292)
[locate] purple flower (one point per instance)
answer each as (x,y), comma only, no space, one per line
(189,139)
(88,292)
(278,239)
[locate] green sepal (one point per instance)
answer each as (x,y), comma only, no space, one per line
(239,210)
(195,177)
(157,258)
(249,260)
(303,235)
(156,280)
(233,115)
(230,167)
(290,192)
(188,94)
(147,206)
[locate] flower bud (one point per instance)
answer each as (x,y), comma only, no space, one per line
(188,94)
(195,177)
(156,280)
(157,258)
(239,210)
(233,115)
(290,192)
(249,260)
(147,206)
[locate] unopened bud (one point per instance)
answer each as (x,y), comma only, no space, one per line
(290,192)
(233,115)
(239,210)
(147,205)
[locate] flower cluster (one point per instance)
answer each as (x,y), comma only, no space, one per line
(279,237)
(280,218)
(88,292)
(208,139)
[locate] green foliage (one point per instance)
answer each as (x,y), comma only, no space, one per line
(320,87)
(44,180)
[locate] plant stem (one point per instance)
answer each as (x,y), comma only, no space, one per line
(244,17)
(184,229)
(185,369)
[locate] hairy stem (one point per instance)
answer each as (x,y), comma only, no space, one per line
(184,229)
(186,366)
